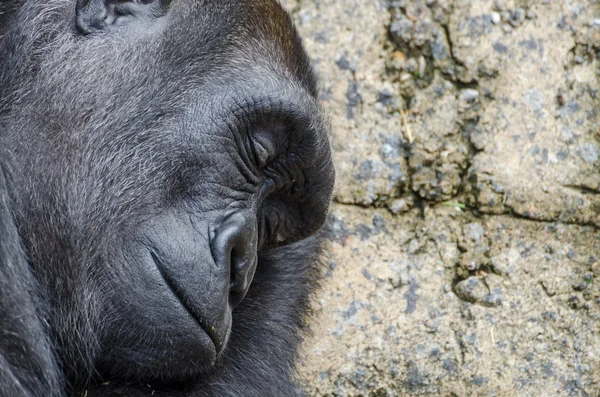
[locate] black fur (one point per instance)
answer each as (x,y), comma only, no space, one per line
(144,145)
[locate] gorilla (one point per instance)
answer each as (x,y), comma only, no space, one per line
(165,170)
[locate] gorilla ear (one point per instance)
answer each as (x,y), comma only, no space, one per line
(94,16)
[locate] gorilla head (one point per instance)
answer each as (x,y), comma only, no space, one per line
(160,155)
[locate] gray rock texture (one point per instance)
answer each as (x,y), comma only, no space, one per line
(465,248)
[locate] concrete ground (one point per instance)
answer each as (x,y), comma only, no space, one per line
(465,255)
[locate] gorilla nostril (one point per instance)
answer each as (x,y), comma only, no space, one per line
(242,271)
(234,247)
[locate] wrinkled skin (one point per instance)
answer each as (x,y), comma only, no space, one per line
(164,173)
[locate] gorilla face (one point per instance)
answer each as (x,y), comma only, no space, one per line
(161,149)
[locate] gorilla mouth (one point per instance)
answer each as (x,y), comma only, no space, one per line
(185,301)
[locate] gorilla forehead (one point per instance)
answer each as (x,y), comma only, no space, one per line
(198,70)
(195,37)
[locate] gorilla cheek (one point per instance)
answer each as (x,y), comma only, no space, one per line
(181,278)
(148,329)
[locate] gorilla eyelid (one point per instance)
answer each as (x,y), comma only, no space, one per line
(262,155)
(264,150)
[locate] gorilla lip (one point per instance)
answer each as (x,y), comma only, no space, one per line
(180,294)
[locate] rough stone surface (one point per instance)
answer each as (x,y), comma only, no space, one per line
(465,239)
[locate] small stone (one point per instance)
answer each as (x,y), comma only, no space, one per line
(414,246)
(469,95)
(399,206)
(385,96)
(344,63)
(494,298)
(405,77)
(412,65)
(496,18)
(498,266)
(471,290)
(474,231)
(470,261)
(517,17)
(399,56)
(589,153)
(401,30)
(378,222)
(497,187)
(422,66)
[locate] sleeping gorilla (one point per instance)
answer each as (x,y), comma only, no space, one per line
(164,169)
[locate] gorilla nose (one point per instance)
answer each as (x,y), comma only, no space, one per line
(235,247)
